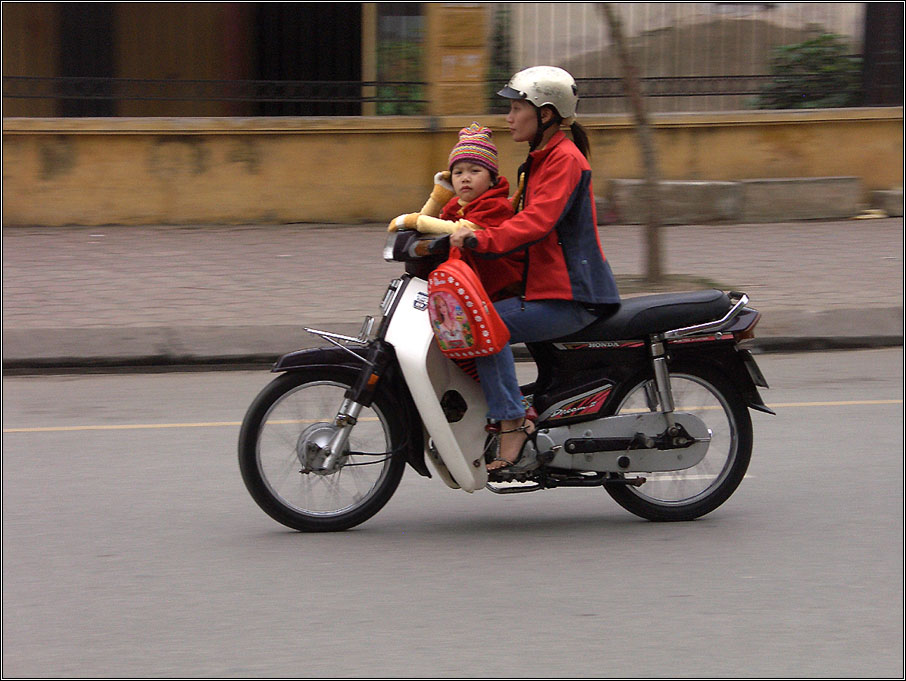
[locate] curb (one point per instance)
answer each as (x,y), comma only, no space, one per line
(172,348)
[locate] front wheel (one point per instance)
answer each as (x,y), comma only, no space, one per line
(693,492)
(282,452)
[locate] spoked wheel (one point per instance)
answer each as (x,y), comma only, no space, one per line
(693,492)
(282,453)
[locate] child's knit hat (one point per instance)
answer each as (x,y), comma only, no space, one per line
(475,146)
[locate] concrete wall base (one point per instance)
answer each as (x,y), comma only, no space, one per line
(756,200)
(681,202)
(890,201)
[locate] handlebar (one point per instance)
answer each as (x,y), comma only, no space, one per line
(438,245)
(409,245)
(441,244)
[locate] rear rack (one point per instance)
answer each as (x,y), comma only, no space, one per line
(741,300)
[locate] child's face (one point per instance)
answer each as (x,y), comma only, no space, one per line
(470,180)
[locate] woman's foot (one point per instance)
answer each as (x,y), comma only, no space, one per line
(512,436)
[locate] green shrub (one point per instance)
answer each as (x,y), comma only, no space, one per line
(400,91)
(818,73)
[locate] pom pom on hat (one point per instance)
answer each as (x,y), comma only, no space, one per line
(475,146)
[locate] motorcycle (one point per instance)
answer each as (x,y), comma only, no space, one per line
(651,403)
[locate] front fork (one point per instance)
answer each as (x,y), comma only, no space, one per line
(359,396)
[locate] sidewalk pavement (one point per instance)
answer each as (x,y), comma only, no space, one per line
(164,295)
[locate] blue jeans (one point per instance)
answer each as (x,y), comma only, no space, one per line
(540,320)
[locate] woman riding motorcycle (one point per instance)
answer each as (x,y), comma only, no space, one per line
(567,280)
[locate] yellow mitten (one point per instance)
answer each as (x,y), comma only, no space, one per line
(405,221)
(440,195)
(431,225)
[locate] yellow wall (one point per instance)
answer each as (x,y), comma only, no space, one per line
(865,143)
(274,170)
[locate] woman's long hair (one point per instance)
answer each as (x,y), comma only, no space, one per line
(579,134)
(580,139)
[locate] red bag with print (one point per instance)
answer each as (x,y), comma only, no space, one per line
(463,318)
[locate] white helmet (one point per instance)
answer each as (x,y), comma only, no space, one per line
(545,85)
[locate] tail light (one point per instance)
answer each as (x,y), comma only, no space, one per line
(748,333)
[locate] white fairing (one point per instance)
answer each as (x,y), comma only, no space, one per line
(429,374)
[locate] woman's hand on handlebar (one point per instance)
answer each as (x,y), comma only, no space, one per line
(459,237)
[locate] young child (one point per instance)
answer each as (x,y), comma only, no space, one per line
(476,197)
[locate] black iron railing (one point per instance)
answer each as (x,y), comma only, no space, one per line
(135,89)
(268,96)
(676,86)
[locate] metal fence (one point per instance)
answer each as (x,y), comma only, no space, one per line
(255,91)
(87,96)
(389,94)
(598,94)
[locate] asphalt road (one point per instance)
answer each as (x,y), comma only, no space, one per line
(131,549)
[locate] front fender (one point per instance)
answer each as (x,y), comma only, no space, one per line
(313,357)
(391,382)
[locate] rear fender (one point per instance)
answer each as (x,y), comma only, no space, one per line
(392,382)
(738,364)
(755,378)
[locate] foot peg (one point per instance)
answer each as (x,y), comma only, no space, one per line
(634,482)
(515,489)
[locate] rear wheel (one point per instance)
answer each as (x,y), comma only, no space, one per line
(282,452)
(693,492)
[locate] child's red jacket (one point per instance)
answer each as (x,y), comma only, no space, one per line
(501,277)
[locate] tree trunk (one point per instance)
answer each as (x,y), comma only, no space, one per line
(651,195)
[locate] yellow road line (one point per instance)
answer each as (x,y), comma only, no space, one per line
(151,426)
(841,403)
(236,424)
(131,426)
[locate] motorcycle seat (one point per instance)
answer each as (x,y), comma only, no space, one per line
(642,316)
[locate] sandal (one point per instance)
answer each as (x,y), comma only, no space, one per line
(528,428)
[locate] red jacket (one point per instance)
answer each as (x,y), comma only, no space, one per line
(557,230)
(500,277)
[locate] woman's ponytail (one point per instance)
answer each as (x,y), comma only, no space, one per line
(580,139)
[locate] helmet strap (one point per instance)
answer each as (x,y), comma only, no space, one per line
(542,127)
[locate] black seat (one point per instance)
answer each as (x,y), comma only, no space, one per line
(645,315)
